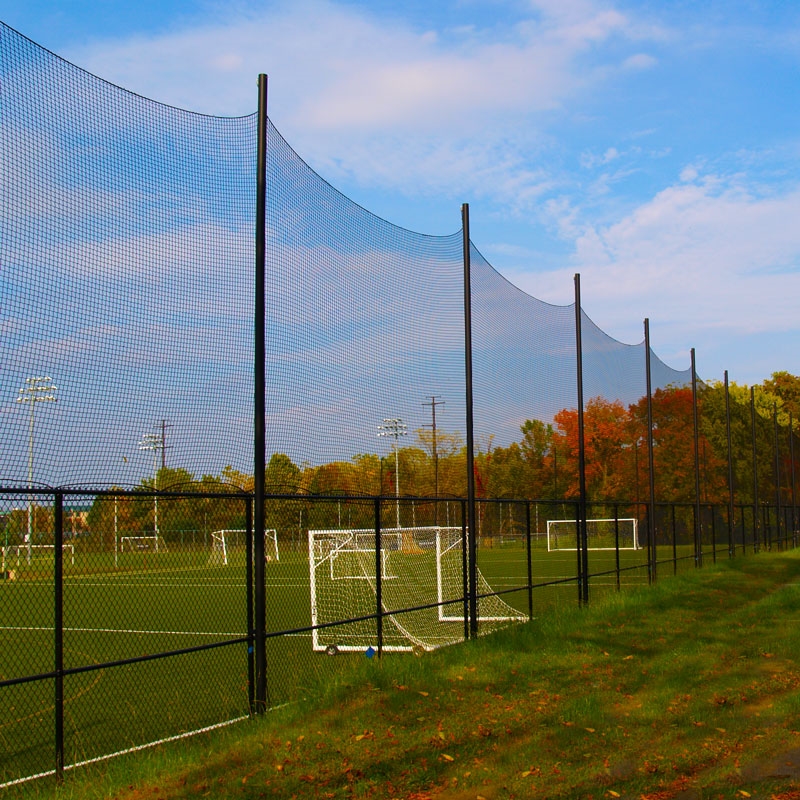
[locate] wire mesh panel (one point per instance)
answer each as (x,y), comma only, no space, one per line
(126,244)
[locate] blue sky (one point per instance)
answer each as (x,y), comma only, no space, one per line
(651,146)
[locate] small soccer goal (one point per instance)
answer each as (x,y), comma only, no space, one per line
(419,568)
(141,544)
(601,534)
(229,546)
(28,554)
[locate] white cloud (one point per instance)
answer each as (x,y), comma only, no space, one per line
(639,61)
(383,101)
(705,258)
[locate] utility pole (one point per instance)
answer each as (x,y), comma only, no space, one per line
(433,403)
(36,390)
(395,427)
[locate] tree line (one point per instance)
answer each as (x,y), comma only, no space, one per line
(541,465)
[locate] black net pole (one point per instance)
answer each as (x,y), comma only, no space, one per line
(583,547)
(464,569)
(251,667)
(528,555)
(58,556)
(378,576)
(714,534)
(471,528)
(652,551)
(674,543)
(777,474)
(730,466)
(259,410)
(696,424)
(756,518)
(794,495)
(616,544)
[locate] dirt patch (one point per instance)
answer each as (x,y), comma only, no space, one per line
(783,766)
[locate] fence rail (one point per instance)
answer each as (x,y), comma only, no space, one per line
(87,641)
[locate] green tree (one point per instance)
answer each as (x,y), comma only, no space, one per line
(785,387)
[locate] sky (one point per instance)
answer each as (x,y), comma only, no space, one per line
(652,147)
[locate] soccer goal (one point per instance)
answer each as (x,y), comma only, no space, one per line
(601,534)
(420,568)
(228,546)
(38,552)
(141,544)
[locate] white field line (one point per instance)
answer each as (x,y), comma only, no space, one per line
(135,749)
(119,630)
(69,584)
(50,628)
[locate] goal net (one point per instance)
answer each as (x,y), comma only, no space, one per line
(141,544)
(229,547)
(420,568)
(16,554)
(601,534)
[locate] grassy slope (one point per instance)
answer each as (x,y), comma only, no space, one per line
(685,689)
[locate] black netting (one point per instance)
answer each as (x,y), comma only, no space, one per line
(127,264)
(127,234)
(126,259)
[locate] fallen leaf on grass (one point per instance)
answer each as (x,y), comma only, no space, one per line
(424,694)
(447,757)
(612,793)
(535,771)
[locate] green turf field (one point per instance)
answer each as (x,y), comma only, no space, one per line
(140,603)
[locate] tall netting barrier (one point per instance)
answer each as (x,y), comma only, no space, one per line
(364,322)
(526,422)
(127,495)
(125,241)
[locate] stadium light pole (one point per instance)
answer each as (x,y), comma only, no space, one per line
(154,442)
(395,427)
(433,403)
(36,390)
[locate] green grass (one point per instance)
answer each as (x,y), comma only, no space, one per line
(149,603)
(684,689)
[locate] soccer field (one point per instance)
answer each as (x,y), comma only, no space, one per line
(150,603)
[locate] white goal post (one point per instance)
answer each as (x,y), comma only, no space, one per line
(601,534)
(20,551)
(142,544)
(228,546)
(420,568)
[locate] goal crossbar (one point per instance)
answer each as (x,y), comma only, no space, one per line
(153,543)
(422,566)
(602,534)
(21,551)
(226,542)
